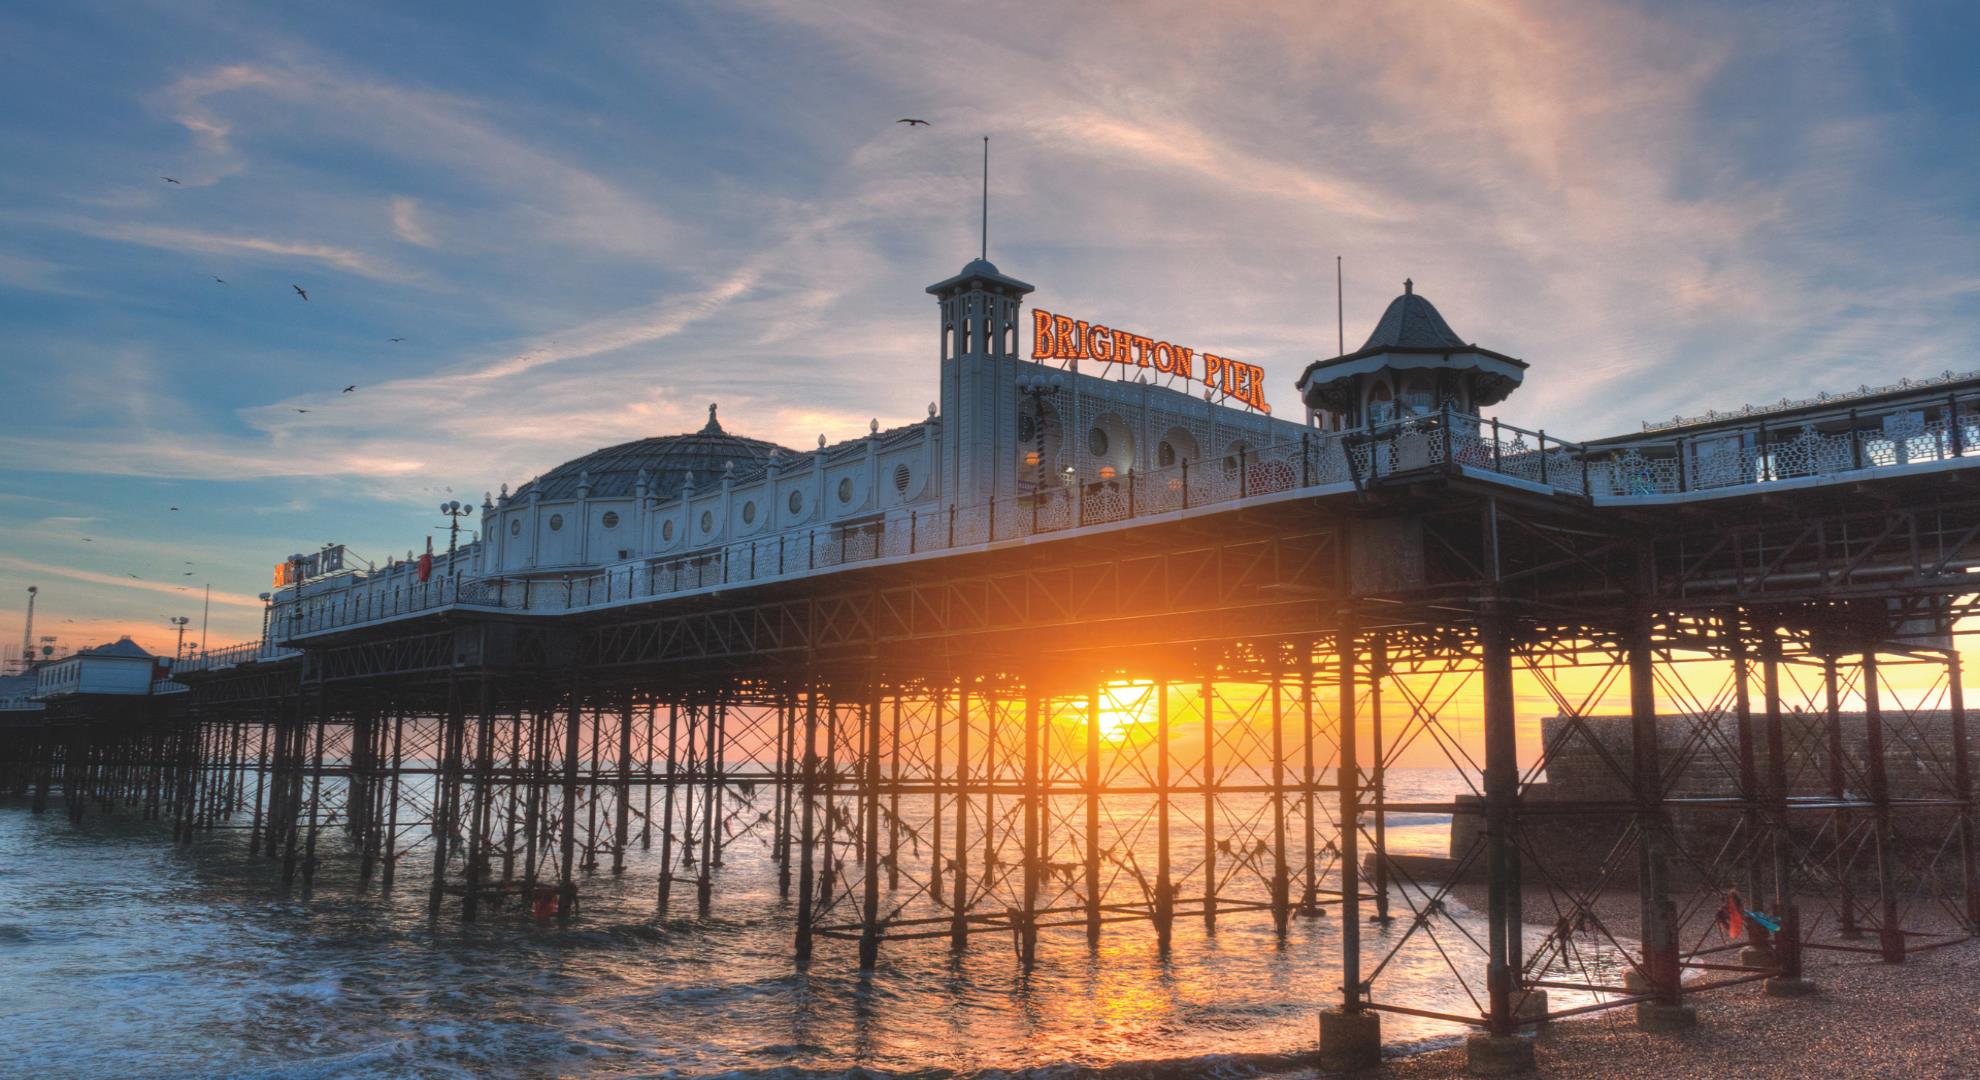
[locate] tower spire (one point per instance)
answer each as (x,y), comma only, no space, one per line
(985,256)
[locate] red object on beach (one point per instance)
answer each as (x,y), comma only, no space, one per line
(1732,917)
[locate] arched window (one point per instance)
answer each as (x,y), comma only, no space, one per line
(1419,398)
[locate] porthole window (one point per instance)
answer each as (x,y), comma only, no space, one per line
(1165,454)
(667,530)
(556,522)
(708,521)
(796,502)
(515,526)
(1096,442)
(902,477)
(846,490)
(749,513)
(610,520)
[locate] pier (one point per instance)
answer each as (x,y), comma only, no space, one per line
(951,678)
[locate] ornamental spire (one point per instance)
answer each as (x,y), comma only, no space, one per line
(714,426)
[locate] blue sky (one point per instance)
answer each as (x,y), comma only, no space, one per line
(588,222)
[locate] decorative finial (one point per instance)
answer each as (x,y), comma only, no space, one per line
(714,426)
(1408,288)
(821,442)
(873,426)
(931,410)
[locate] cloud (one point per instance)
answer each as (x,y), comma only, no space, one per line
(29,566)
(173,238)
(406,224)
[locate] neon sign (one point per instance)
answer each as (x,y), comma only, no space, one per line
(1057,337)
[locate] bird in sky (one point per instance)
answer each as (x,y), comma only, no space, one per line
(221,280)
(910,121)
(395,339)
(302,410)
(189,573)
(299,290)
(89,540)
(168,179)
(133,576)
(350,388)
(175,508)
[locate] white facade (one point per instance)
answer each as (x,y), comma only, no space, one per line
(1011,437)
(121,668)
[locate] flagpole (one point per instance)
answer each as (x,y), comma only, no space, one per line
(205,612)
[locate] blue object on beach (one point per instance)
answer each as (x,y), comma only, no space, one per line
(1772,926)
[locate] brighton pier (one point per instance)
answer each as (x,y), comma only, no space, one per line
(952,675)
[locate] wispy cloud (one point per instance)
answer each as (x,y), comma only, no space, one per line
(30,566)
(174,238)
(406,222)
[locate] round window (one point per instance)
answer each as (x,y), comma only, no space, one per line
(515,526)
(667,530)
(749,513)
(846,490)
(1096,442)
(902,477)
(556,522)
(708,521)
(1165,454)
(796,502)
(610,520)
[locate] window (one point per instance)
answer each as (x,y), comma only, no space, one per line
(708,521)
(749,513)
(515,526)
(1381,404)
(610,520)
(556,522)
(1096,442)
(796,502)
(667,530)
(1165,454)
(1418,398)
(846,490)
(902,477)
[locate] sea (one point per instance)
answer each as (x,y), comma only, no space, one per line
(122,954)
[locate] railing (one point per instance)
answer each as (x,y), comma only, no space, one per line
(232,656)
(1437,442)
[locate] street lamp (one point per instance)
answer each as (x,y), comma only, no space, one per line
(455,511)
(179,650)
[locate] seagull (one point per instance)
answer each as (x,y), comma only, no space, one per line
(89,540)
(175,508)
(302,410)
(168,179)
(395,339)
(299,291)
(221,280)
(131,575)
(909,121)
(350,388)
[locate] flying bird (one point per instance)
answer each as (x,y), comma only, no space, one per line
(189,573)
(910,121)
(168,179)
(131,575)
(221,280)
(350,388)
(89,539)
(302,410)
(175,508)
(395,339)
(299,290)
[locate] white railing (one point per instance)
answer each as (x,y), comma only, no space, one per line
(1438,442)
(232,656)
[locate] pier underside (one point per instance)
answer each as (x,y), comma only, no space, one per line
(1174,724)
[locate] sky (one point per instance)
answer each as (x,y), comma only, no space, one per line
(589,221)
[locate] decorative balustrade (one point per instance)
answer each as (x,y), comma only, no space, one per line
(1709,462)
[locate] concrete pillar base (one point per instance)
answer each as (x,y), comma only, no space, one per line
(1655,1016)
(1529,1004)
(1350,1041)
(1486,1054)
(1635,983)
(1758,956)
(1789,986)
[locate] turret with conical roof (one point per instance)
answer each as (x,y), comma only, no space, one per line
(1412,364)
(979,312)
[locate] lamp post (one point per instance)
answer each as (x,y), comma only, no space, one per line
(27,632)
(455,511)
(179,649)
(267,609)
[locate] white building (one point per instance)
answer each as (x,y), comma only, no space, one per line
(1016,446)
(121,668)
